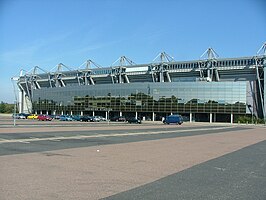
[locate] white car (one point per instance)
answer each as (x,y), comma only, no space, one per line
(18,116)
(99,118)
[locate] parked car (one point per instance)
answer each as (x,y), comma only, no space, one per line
(173,119)
(118,119)
(99,118)
(86,119)
(55,116)
(44,118)
(75,117)
(187,119)
(32,116)
(18,116)
(24,114)
(134,120)
(65,118)
(95,119)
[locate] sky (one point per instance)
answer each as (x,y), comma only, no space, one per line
(45,33)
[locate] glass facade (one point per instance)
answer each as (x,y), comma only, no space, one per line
(170,97)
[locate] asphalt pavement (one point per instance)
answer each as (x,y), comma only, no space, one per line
(54,160)
(238,175)
(21,143)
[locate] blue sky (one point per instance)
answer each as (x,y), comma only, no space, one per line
(48,32)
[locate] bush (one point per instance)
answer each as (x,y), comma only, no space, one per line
(243,119)
(260,121)
(248,120)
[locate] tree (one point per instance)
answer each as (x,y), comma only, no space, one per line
(2,107)
(6,108)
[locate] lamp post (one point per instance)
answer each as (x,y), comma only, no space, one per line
(108,117)
(252,115)
(14,113)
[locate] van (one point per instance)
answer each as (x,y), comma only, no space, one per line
(173,119)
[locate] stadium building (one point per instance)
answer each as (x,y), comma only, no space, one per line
(210,89)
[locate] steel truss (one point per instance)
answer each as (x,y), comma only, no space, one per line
(209,67)
(261,63)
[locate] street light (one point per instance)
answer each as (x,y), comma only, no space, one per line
(108,115)
(14,113)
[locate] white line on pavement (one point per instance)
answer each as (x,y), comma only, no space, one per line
(82,137)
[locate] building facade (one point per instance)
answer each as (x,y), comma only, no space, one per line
(210,89)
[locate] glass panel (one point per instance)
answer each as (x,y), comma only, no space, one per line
(201,97)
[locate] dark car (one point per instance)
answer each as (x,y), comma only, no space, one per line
(65,118)
(134,120)
(118,119)
(76,117)
(86,119)
(173,119)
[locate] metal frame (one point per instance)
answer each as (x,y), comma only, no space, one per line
(162,69)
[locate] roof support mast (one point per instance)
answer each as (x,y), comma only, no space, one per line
(119,72)
(160,68)
(86,73)
(210,57)
(261,61)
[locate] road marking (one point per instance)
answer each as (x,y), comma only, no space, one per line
(25,142)
(55,140)
(219,168)
(82,137)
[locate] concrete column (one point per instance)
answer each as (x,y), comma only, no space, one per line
(190,117)
(210,117)
(153,116)
(232,118)
(20,101)
(214,117)
(62,113)
(71,113)
(54,112)
(120,113)
(136,115)
(264,80)
(208,73)
(41,112)
(106,115)
(93,113)
(25,105)
(81,113)
(47,112)
(171,113)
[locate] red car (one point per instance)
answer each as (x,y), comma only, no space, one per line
(44,118)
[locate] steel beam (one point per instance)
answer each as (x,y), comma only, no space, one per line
(264,80)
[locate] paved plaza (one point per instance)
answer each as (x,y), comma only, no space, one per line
(75,160)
